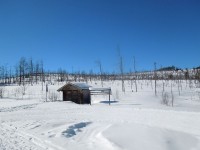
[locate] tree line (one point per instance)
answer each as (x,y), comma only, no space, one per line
(28,71)
(25,71)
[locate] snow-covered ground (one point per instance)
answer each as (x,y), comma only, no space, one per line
(133,121)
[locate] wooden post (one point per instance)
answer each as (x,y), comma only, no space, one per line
(46,91)
(109,97)
(90,98)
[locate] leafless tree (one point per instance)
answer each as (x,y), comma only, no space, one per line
(172,95)
(22,70)
(31,69)
(101,72)
(42,76)
(2,90)
(37,70)
(122,73)
(134,64)
(155,78)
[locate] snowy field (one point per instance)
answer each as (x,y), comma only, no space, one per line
(133,121)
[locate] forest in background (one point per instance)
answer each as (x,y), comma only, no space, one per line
(27,71)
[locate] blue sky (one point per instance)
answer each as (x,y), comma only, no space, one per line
(74,34)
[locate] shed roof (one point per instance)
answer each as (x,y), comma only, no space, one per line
(100,91)
(79,85)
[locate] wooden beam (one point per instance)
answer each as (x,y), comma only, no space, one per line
(109,97)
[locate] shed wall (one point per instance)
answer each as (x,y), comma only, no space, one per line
(76,94)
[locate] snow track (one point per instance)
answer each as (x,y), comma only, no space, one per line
(16,108)
(10,139)
(98,141)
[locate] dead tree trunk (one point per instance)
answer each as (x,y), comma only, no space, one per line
(155,78)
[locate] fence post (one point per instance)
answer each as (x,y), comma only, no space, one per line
(109,96)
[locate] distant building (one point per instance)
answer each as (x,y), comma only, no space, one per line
(76,92)
(80,93)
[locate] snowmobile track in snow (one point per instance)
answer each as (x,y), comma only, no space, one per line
(12,139)
(17,108)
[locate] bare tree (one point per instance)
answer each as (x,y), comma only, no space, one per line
(122,73)
(178,84)
(31,65)
(134,65)
(17,74)
(155,78)
(2,90)
(22,69)
(172,95)
(42,76)
(197,77)
(10,76)
(37,70)
(101,72)
(121,68)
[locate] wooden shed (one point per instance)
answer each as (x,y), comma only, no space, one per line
(76,92)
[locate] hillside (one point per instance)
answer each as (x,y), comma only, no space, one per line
(170,68)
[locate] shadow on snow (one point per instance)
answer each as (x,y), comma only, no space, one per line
(74,129)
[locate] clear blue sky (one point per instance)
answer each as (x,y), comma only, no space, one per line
(77,33)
